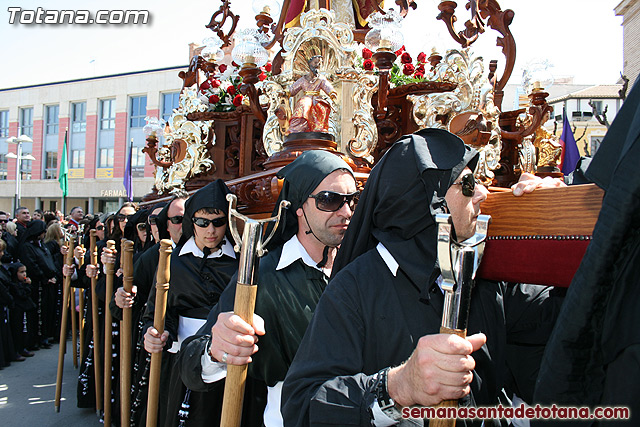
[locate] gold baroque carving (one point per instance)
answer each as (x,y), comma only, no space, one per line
(192,139)
(471,101)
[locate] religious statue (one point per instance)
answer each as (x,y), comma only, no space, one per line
(312,111)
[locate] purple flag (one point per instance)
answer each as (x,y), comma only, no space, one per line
(570,153)
(127,175)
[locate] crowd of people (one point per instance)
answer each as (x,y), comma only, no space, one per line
(32,249)
(348,306)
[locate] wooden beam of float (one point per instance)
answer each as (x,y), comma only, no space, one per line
(539,237)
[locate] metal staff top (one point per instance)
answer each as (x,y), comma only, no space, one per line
(251,238)
(458,263)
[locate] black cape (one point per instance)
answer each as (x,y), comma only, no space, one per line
(592,356)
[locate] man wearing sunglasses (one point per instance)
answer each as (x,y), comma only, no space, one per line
(322,190)
(202,265)
(373,345)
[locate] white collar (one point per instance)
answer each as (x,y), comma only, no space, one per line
(393,265)
(292,251)
(388,259)
(191,248)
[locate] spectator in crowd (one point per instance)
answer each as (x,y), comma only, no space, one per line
(22,219)
(21,292)
(75,216)
(35,255)
(7,350)
(10,238)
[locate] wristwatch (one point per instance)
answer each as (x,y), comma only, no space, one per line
(385,402)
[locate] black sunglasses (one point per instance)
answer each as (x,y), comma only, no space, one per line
(141,226)
(175,219)
(468,184)
(152,219)
(122,217)
(100,227)
(204,222)
(3,221)
(330,201)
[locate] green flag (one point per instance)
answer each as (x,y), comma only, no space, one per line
(63,175)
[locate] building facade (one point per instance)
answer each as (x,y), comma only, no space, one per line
(589,132)
(630,12)
(101,118)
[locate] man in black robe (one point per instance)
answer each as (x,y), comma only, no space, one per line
(202,264)
(374,338)
(322,190)
(593,355)
(41,269)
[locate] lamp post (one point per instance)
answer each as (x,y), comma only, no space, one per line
(19,158)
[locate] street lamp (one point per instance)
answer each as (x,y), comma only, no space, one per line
(19,158)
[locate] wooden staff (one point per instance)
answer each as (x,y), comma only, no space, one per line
(162,287)
(74,327)
(81,323)
(125,336)
(252,248)
(81,313)
(95,321)
(66,288)
(107,337)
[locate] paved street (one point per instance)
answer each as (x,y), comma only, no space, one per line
(27,393)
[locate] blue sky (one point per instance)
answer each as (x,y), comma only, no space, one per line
(582,38)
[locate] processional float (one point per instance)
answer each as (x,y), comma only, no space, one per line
(370,106)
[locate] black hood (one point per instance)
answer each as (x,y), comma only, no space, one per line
(212,195)
(301,177)
(404,192)
(34,229)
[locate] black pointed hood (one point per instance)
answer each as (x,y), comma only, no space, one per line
(404,192)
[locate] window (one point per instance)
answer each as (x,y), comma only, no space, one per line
(77,159)
(26,121)
(106,158)
(4,124)
(137,157)
(108,114)
(78,130)
(595,143)
(138,111)
(3,167)
(598,106)
(25,169)
(52,119)
(51,165)
(79,117)
(169,103)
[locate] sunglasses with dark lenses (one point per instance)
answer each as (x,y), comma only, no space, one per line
(122,217)
(141,226)
(175,219)
(330,201)
(468,184)
(152,219)
(204,223)
(100,227)
(3,221)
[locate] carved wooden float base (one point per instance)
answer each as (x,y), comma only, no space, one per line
(540,237)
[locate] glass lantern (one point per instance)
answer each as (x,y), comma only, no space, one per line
(212,50)
(385,34)
(248,50)
(266,7)
(154,126)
